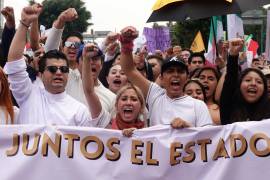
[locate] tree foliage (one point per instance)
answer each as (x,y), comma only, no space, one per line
(183,33)
(52,9)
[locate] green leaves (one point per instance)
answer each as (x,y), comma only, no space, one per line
(52,9)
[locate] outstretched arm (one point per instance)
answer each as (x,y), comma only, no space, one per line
(89,51)
(20,84)
(34,33)
(54,37)
(230,82)
(28,15)
(8,32)
(127,36)
(34,36)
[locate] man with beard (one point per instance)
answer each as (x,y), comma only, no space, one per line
(168,105)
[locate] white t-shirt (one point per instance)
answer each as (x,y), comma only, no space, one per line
(75,89)
(38,106)
(162,109)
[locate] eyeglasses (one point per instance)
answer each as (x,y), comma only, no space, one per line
(53,69)
(72,44)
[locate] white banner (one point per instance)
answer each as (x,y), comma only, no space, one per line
(232,152)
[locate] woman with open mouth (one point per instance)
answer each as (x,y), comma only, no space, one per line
(243,98)
(209,78)
(116,78)
(129,103)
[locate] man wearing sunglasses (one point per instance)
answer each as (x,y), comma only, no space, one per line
(51,104)
(71,43)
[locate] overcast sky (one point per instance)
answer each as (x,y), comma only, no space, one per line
(110,15)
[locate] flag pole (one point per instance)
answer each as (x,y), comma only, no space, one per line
(214,35)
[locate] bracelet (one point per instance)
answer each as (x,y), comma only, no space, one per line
(127,48)
(24,24)
(125,40)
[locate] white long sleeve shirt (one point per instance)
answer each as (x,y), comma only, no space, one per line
(38,106)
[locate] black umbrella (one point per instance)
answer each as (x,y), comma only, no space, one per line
(198,9)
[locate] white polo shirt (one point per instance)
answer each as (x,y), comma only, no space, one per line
(163,109)
(38,106)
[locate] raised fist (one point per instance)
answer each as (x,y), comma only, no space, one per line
(30,14)
(90,50)
(111,38)
(68,15)
(112,48)
(8,13)
(128,34)
(235,46)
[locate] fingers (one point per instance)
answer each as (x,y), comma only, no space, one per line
(69,15)
(30,10)
(7,12)
(3,12)
(90,50)
(178,123)
(128,29)
(235,46)
(128,132)
(112,46)
(30,14)
(37,8)
(112,37)
(237,42)
(128,34)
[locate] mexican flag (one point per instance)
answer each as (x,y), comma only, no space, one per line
(216,29)
(250,49)
(251,45)
(235,26)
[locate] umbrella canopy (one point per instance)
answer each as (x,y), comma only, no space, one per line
(180,10)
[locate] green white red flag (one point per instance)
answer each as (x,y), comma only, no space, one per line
(216,34)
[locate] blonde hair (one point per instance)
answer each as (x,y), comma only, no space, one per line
(137,91)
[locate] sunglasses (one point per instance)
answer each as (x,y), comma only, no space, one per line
(72,44)
(53,69)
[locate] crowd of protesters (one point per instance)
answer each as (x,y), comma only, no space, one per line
(113,85)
